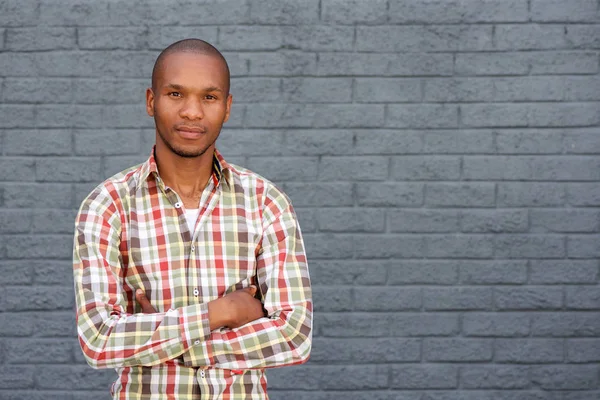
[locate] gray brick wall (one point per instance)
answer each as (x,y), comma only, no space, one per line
(443,157)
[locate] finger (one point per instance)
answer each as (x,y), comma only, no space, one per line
(144,302)
(252,289)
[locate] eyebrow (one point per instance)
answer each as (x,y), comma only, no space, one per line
(179,87)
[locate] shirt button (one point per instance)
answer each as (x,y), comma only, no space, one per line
(197,342)
(196,292)
(178,205)
(193,248)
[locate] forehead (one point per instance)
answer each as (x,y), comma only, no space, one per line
(192,69)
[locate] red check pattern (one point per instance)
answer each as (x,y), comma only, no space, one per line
(131,233)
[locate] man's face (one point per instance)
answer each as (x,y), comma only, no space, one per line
(190,102)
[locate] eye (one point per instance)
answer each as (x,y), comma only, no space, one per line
(174,94)
(211,97)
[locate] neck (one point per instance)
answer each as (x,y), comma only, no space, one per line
(187,176)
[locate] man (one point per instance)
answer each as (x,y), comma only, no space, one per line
(190,272)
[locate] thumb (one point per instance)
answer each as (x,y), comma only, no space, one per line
(251,289)
(144,302)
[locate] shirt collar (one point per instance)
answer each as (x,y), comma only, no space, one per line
(221,169)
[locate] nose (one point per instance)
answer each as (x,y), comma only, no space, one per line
(192,109)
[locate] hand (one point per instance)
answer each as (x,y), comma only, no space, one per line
(141,298)
(235,309)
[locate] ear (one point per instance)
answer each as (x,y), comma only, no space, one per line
(150,102)
(228,107)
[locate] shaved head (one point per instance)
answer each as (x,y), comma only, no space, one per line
(196,46)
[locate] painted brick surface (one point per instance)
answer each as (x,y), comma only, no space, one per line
(443,157)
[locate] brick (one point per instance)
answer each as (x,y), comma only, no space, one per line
(422,116)
(348,272)
(281,63)
(394,298)
(419,220)
(250,38)
(53,221)
(494,221)
(566,324)
(583,297)
(496,324)
(72,12)
(529,141)
(72,376)
(309,115)
(530,37)
(459,246)
(565,220)
(529,351)
(38,142)
(528,298)
(557,168)
(39,351)
(53,324)
(16,116)
(104,38)
(457,350)
(40,38)
(294,168)
(116,164)
(583,246)
(468,64)
(27,195)
(49,272)
(319,37)
(383,194)
(329,246)
(42,395)
(555,11)
(249,89)
(353,11)
(563,62)
(581,395)
(284,12)
(581,88)
(583,350)
(455,11)
(319,194)
(583,194)
(389,90)
(102,142)
(124,116)
(73,116)
(319,142)
(15,377)
(109,91)
(561,377)
(563,271)
(307,219)
(384,64)
(582,36)
(39,246)
(424,377)
(19,13)
(458,141)
(27,90)
(15,221)
(17,169)
(387,142)
(494,377)
(364,168)
(529,246)
(16,324)
(459,89)
(16,273)
(525,194)
(159,37)
(459,194)
(317,90)
(493,272)
(417,38)
(184,12)
(351,220)
(388,246)
(51,298)
(68,169)
(367,350)
(429,272)
(425,168)
(460,298)
(582,141)
(341,325)
(424,324)
(333,298)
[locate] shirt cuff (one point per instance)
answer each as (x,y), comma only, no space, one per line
(195,326)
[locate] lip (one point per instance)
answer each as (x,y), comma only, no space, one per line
(190,132)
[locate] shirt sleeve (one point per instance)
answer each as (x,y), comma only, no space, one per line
(109,336)
(284,337)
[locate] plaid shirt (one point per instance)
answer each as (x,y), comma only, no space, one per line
(131,232)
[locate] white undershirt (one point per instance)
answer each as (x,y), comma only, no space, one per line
(191,216)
